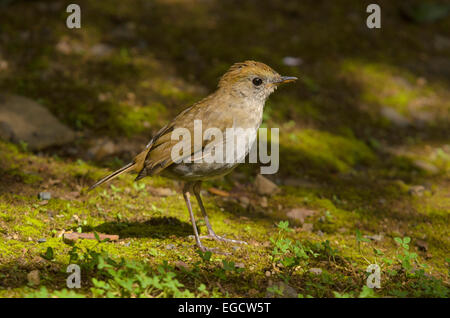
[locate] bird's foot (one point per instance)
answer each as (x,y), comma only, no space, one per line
(222,239)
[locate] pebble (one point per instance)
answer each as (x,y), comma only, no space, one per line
(426,166)
(422,245)
(264,203)
(417,190)
(307,227)
(316,271)
(33,277)
(244,201)
(377,237)
(300,214)
(42,240)
(395,117)
(44,196)
(170,246)
(264,186)
(292,61)
(287,291)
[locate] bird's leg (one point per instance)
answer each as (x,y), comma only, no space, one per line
(211,233)
(186,194)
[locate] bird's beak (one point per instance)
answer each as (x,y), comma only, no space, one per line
(285,79)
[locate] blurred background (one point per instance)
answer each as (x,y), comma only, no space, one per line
(366,128)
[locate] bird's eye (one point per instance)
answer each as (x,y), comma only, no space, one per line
(257,81)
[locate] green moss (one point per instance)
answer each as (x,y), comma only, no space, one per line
(384,85)
(133,120)
(323,152)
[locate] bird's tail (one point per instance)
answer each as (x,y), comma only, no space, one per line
(116,173)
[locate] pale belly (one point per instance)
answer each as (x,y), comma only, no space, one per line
(201,170)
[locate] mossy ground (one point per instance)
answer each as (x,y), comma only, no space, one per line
(339,156)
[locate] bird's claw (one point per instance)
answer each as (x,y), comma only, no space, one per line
(222,239)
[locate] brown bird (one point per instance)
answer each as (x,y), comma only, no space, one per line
(238,102)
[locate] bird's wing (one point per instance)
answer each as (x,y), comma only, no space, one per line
(158,154)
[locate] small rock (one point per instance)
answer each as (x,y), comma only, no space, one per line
(3,65)
(422,245)
(417,190)
(170,246)
(32,123)
(300,214)
(426,166)
(101,50)
(102,148)
(377,237)
(316,271)
(267,274)
(182,265)
(307,227)
(286,290)
(395,117)
(239,265)
(44,195)
(244,201)
(42,240)
(264,186)
(264,203)
(161,192)
(292,61)
(33,277)
(320,233)
(63,47)
(342,230)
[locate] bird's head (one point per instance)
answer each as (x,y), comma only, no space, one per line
(252,80)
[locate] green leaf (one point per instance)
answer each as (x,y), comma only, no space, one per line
(49,254)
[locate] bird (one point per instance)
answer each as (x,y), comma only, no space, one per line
(238,102)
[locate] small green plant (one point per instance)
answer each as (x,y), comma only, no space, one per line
(406,258)
(139,186)
(49,254)
(227,267)
(287,252)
